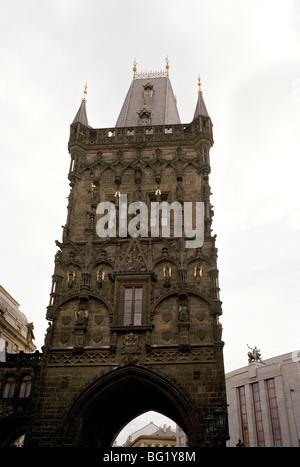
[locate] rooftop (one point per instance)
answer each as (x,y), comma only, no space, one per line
(9,303)
(150,102)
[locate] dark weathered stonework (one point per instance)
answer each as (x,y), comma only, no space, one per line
(16,410)
(98,373)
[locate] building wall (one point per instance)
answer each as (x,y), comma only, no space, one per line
(15,330)
(147,437)
(181,438)
(285,370)
(18,375)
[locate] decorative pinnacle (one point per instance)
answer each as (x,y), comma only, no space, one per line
(167,65)
(199,84)
(134,68)
(84,92)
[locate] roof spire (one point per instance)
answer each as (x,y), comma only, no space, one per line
(200,107)
(134,68)
(81,116)
(167,65)
(199,84)
(85,92)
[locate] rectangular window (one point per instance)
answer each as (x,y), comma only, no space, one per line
(274,414)
(133,306)
(258,416)
(244,419)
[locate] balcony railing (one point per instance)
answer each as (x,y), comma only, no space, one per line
(22,359)
(200,127)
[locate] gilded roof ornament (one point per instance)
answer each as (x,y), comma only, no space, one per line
(167,65)
(134,68)
(84,92)
(199,84)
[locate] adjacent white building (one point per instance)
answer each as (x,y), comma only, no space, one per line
(264,402)
(16,333)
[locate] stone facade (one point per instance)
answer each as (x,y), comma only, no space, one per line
(16,333)
(133,321)
(18,384)
(264,402)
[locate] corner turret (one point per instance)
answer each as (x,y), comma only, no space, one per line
(81,116)
(201,109)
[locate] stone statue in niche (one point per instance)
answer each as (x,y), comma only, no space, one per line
(182,272)
(95,199)
(58,258)
(183,315)
(206,191)
(81,317)
(167,276)
(49,334)
(179,192)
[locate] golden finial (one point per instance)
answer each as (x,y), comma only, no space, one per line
(199,84)
(167,65)
(84,92)
(134,68)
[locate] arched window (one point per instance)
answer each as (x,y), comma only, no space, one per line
(9,386)
(25,386)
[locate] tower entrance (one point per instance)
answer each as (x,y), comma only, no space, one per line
(111,402)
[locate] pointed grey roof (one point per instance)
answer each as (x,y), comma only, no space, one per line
(200,107)
(152,96)
(81,116)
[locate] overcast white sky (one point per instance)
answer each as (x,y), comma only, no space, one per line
(248,56)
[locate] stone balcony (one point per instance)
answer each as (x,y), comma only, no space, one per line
(200,128)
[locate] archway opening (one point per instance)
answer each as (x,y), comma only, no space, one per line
(12,434)
(151,429)
(111,402)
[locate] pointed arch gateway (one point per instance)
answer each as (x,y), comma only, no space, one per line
(103,409)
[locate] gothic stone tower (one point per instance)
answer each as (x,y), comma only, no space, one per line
(133,319)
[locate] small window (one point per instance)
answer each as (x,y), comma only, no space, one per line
(25,387)
(144,116)
(9,387)
(148,90)
(133,297)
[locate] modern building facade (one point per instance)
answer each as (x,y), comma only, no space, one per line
(134,305)
(264,402)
